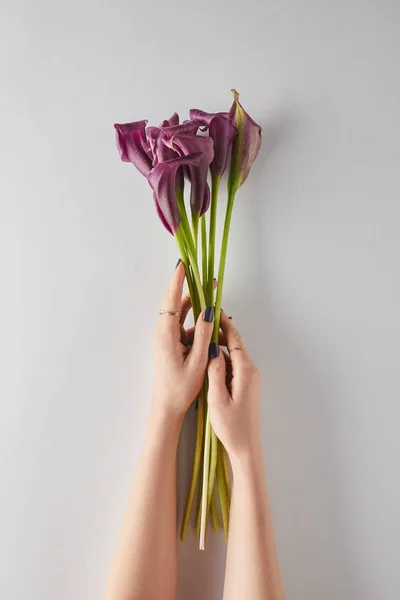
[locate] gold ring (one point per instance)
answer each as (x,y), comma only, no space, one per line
(237,348)
(170,313)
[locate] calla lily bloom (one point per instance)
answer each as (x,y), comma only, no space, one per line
(133,145)
(222,131)
(160,151)
(166,180)
(159,138)
(187,145)
(246,145)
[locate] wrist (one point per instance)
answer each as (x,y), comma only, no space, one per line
(164,417)
(247,457)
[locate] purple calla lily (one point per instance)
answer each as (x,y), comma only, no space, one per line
(159,138)
(222,131)
(165,180)
(187,145)
(246,145)
(133,145)
(160,151)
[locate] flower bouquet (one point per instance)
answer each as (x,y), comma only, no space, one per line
(197,151)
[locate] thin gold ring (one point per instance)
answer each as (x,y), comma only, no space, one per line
(170,313)
(237,348)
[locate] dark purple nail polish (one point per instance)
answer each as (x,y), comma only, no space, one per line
(208,314)
(213,350)
(178,263)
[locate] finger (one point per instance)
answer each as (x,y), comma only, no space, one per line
(234,340)
(172,302)
(190,336)
(186,305)
(217,390)
(184,338)
(198,356)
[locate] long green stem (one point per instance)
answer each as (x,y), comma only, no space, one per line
(196,463)
(206,473)
(217,315)
(222,261)
(213,466)
(215,181)
(179,236)
(204,252)
(196,274)
(185,221)
(223,495)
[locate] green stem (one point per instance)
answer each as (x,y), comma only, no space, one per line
(181,245)
(213,466)
(196,463)
(206,474)
(204,252)
(215,181)
(195,228)
(223,493)
(222,261)
(196,274)
(185,221)
(214,516)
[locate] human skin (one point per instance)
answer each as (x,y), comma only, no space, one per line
(145,566)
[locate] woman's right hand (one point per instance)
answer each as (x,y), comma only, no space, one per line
(234,395)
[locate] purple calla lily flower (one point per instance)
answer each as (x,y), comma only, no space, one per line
(246,145)
(159,138)
(187,145)
(165,179)
(160,151)
(222,131)
(133,145)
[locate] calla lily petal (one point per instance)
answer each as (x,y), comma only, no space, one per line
(222,131)
(187,145)
(174,120)
(164,179)
(246,145)
(160,151)
(133,145)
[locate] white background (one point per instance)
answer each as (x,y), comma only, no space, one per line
(312,281)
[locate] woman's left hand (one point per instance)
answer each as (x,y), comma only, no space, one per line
(179,368)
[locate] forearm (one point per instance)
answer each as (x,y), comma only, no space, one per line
(145,563)
(252,569)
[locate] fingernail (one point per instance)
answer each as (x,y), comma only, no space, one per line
(208,314)
(178,263)
(213,350)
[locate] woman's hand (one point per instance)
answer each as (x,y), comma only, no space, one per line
(234,394)
(179,368)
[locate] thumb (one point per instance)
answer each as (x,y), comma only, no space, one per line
(217,390)
(198,355)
